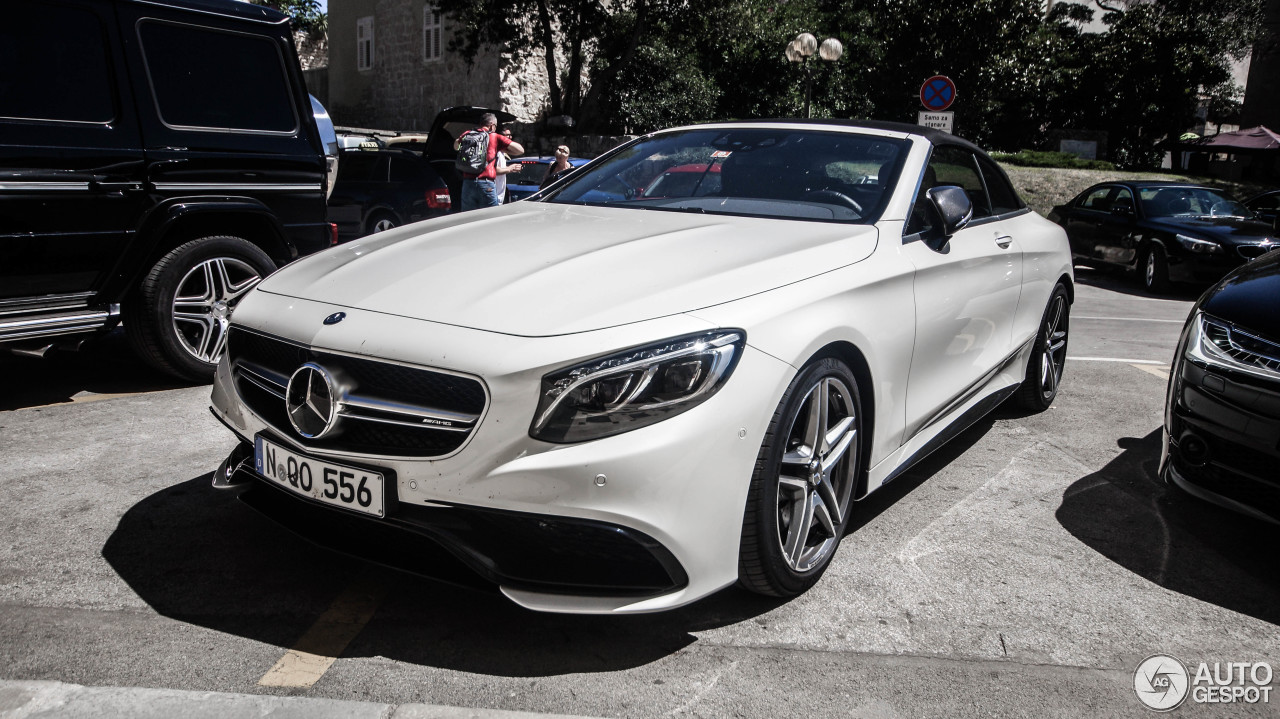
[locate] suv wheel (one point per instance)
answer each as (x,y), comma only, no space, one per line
(177,321)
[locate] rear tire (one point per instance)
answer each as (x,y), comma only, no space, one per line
(177,318)
(381,222)
(1048,356)
(805,477)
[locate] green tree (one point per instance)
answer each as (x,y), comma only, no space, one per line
(307,16)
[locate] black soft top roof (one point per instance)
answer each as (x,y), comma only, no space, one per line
(937,137)
(228,8)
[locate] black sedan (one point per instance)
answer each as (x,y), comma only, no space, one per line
(1266,206)
(1166,231)
(379,189)
(1222,415)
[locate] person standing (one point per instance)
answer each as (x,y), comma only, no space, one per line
(559,165)
(503,168)
(478,189)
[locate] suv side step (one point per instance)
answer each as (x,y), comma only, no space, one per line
(61,323)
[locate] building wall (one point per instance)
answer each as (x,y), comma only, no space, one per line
(403,91)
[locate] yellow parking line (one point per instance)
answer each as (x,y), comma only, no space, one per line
(1161,372)
(318,648)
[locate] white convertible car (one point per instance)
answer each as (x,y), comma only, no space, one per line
(617,397)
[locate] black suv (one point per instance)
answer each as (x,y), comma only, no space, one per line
(157,159)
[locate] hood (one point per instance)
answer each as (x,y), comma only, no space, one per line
(1232,230)
(1249,296)
(540,269)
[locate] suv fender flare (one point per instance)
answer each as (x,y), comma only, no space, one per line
(165,227)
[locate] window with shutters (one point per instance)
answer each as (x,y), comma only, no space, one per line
(431,34)
(364,43)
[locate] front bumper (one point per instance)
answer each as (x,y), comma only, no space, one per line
(1222,439)
(642,521)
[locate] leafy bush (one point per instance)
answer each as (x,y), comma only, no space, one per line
(1039,158)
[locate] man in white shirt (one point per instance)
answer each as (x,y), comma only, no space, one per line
(504,168)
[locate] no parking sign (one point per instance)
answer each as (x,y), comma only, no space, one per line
(937,93)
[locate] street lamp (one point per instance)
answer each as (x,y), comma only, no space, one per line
(802,48)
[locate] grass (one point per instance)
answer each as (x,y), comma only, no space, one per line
(1042,187)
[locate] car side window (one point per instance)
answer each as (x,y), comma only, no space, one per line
(1268,203)
(405,170)
(1098,200)
(956,166)
(54,65)
(1123,200)
(357,166)
(206,79)
(1003,197)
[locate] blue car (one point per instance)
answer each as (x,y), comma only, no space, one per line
(525,182)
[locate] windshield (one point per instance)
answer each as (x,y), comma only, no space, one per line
(772,172)
(1190,202)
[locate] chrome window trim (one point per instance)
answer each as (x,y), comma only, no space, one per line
(45,186)
(239,187)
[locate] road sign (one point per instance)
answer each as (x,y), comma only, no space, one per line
(944,121)
(937,93)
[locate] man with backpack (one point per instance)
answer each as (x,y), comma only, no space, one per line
(477,161)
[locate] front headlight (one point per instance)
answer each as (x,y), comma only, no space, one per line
(1223,345)
(636,387)
(1199,246)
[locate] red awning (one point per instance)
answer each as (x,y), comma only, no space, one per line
(1253,138)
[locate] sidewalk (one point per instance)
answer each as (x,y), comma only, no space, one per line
(23,700)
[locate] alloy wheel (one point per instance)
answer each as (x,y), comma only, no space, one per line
(815,479)
(384,224)
(203,303)
(1054,340)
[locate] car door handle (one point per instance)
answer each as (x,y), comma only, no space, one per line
(1004,241)
(108,186)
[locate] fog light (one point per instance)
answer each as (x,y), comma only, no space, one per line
(1194,450)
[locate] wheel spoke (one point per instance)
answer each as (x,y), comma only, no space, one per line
(832,458)
(798,531)
(816,421)
(829,502)
(793,484)
(219,329)
(235,292)
(800,455)
(823,515)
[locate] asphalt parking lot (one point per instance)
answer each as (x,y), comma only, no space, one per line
(1023,570)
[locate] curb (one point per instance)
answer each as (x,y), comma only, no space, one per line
(32,699)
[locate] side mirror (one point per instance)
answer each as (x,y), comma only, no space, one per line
(953,206)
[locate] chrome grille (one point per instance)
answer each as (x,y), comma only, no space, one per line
(385,409)
(1245,348)
(1250,252)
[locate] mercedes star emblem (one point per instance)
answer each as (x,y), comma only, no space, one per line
(311,401)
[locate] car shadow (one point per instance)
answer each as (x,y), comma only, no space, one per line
(1125,282)
(104,365)
(1127,514)
(198,555)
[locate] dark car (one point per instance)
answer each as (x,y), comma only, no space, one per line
(1166,231)
(529,179)
(1222,414)
(157,159)
(381,189)
(1266,206)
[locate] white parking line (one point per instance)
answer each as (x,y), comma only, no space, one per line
(1125,319)
(1160,372)
(1116,359)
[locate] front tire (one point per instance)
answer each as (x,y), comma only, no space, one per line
(1155,270)
(178,317)
(1049,355)
(805,477)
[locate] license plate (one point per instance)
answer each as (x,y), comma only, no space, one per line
(359,490)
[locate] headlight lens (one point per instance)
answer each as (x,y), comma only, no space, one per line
(1224,345)
(635,388)
(1197,245)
